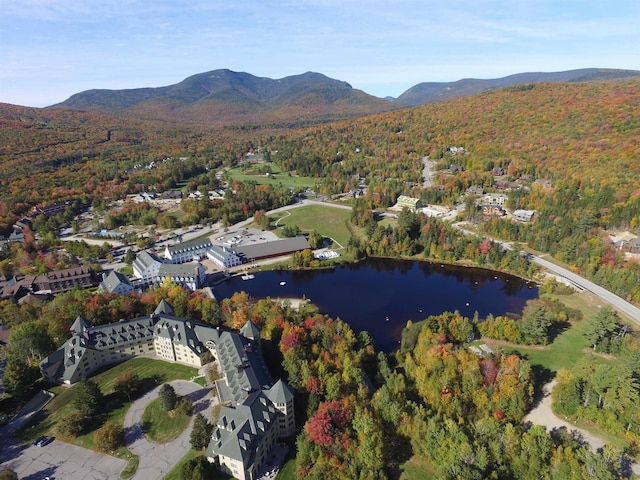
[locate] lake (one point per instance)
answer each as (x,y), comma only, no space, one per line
(380,295)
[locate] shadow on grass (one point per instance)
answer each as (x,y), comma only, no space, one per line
(557,329)
(541,376)
(400,452)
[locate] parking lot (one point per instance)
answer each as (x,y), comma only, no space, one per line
(57,460)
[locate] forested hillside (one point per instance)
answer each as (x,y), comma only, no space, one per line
(573,147)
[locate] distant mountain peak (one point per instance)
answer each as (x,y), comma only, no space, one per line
(432,92)
(239,96)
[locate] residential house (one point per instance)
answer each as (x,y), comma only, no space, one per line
(524,215)
(493,211)
(629,246)
(409,202)
(498,199)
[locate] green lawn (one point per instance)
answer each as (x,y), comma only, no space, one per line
(152,372)
(255,173)
(416,469)
(569,346)
(176,472)
(328,221)
(288,471)
(161,426)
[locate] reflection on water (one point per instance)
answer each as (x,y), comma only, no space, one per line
(380,295)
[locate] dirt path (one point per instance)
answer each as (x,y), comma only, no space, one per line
(542,414)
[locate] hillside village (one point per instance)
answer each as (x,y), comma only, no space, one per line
(226,213)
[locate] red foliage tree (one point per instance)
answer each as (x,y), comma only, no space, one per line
(328,426)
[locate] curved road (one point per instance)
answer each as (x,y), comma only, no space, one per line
(620,304)
(157,459)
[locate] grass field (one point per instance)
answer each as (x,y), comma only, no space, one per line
(255,173)
(416,469)
(328,221)
(569,346)
(152,373)
(162,426)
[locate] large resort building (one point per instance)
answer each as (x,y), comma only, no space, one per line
(256,411)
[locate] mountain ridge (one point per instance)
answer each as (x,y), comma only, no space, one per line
(226,97)
(432,92)
(241,97)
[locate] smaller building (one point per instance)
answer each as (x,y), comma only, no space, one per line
(224,257)
(188,251)
(629,246)
(191,276)
(146,267)
(524,215)
(116,283)
(498,199)
(409,202)
(493,211)
(276,248)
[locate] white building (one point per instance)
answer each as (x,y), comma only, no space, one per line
(146,267)
(188,251)
(495,199)
(191,276)
(224,257)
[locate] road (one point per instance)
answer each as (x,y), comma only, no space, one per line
(157,459)
(615,301)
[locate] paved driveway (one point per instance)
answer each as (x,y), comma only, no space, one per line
(58,460)
(157,459)
(63,461)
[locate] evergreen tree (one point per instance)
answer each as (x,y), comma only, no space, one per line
(88,398)
(601,328)
(201,432)
(168,397)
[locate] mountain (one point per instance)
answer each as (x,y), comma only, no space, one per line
(432,92)
(235,97)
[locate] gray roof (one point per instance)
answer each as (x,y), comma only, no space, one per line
(221,253)
(274,248)
(145,259)
(62,364)
(242,366)
(198,244)
(241,429)
(250,330)
(113,280)
(281,392)
(188,270)
(164,307)
(80,324)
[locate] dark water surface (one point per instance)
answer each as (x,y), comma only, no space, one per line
(380,295)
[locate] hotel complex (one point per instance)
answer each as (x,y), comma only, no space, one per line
(256,411)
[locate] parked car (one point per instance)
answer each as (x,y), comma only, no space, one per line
(42,441)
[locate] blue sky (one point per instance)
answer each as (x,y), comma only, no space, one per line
(51,49)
